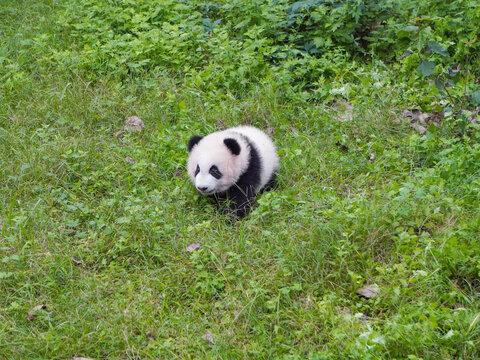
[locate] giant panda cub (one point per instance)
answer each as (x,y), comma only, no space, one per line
(235,164)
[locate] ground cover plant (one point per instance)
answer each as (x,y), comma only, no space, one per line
(368,249)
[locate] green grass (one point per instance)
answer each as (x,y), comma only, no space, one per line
(100,241)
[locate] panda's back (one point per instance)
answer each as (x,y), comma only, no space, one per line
(266,151)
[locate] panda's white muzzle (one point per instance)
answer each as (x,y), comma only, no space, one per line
(205,184)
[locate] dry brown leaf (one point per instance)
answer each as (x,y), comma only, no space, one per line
(307,301)
(220,124)
(31,313)
(369,291)
(345,116)
(193,247)
(130,160)
(76,261)
(208,337)
(396,118)
(415,115)
(134,123)
(422,118)
(344,103)
(362,317)
(119,135)
(435,117)
(419,120)
(473,116)
(404,55)
(178,173)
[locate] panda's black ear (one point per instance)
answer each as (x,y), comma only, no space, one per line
(232,145)
(193,141)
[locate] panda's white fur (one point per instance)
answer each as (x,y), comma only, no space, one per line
(244,156)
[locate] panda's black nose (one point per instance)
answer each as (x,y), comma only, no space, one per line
(202,188)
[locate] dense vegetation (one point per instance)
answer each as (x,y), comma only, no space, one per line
(374,106)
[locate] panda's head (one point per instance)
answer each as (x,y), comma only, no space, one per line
(216,161)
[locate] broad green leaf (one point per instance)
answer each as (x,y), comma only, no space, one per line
(410,28)
(476,97)
(451,83)
(437,48)
(426,68)
(440,86)
(406,31)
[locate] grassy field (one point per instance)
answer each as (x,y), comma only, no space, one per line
(93,259)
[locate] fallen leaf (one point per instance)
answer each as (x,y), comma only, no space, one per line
(404,55)
(271,131)
(307,302)
(130,160)
(344,103)
(31,313)
(119,136)
(81,358)
(473,116)
(293,130)
(345,311)
(220,123)
(362,317)
(76,261)
(134,123)
(208,338)
(178,173)
(418,119)
(397,119)
(435,117)
(193,247)
(407,113)
(422,117)
(415,115)
(347,114)
(369,291)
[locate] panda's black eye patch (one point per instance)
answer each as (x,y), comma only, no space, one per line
(197,170)
(215,172)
